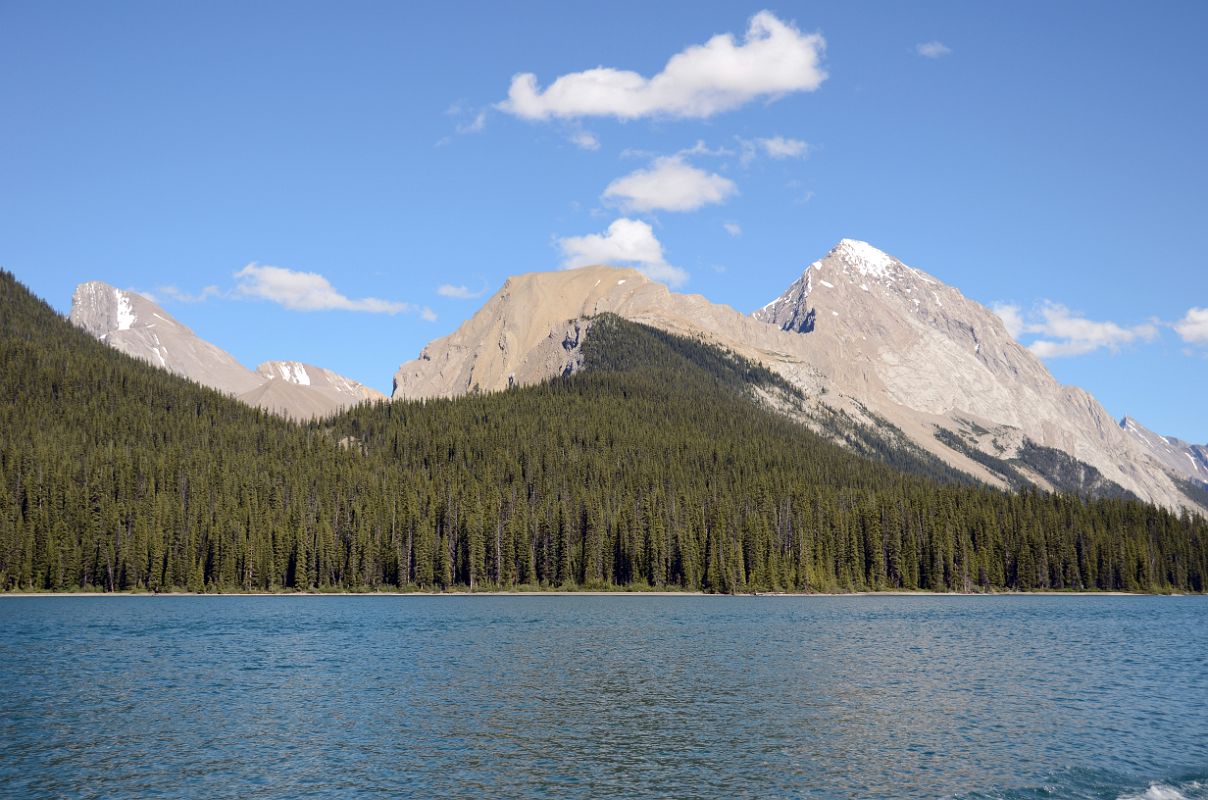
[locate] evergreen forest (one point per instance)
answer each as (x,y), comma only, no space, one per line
(651,468)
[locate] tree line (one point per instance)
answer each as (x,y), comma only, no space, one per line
(651,469)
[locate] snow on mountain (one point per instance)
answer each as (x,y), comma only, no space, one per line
(135,325)
(339,390)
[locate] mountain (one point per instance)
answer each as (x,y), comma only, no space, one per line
(131,323)
(304,391)
(912,347)
(859,333)
(135,325)
(648,466)
(1189,461)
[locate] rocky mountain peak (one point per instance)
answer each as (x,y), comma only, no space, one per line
(135,325)
(297,373)
(102,309)
(863,259)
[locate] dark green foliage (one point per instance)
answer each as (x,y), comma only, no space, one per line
(1063,472)
(1067,474)
(998,466)
(1195,490)
(115,475)
(617,345)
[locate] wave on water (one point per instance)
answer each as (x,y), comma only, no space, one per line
(1083,784)
(1190,790)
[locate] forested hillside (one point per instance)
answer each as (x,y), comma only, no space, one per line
(652,468)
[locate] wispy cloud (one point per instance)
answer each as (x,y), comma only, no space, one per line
(585,140)
(774,59)
(669,184)
(181,296)
(309,291)
(1064,332)
(932,49)
(732,228)
(475,125)
(778,147)
(459,292)
(627,242)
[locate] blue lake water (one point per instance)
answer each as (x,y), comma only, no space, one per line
(628,696)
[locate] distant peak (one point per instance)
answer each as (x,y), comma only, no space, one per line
(102,309)
(864,258)
(289,371)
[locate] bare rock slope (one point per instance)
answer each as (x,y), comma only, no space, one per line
(859,331)
(129,322)
(138,327)
(1189,461)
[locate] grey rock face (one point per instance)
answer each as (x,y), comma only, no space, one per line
(896,335)
(1189,461)
(138,327)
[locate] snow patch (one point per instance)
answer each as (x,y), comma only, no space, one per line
(125,314)
(622,280)
(866,259)
(827,284)
(293,372)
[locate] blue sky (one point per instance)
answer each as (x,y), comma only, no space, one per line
(1045,157)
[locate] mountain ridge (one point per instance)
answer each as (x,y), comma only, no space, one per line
(858,331)
(647,468)
(137,326)
(875,345)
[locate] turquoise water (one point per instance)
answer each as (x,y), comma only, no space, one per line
(628,696)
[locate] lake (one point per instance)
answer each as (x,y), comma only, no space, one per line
(585,696)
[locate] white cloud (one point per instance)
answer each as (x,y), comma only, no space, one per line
(1067,333)
(777,147)
(732,228)
(626,242)
(459,292)
(669,184)
(1193,327)
(307,291)
(773,59)
(932,49)
(585,140)
(780,147)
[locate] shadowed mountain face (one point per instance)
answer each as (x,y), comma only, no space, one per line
(859,332)
(138,327)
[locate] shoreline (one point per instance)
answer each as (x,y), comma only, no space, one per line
(597,593)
